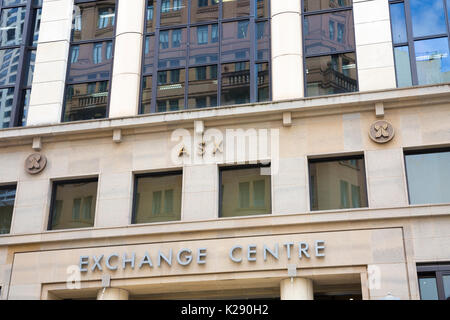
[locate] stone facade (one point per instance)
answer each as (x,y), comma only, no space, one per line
(374,250)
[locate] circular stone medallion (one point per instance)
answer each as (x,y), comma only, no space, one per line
(381,131)
(35,163)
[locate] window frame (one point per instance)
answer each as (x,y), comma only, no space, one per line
(136,178)
(438,271)
(10,186)
(408,152)
(410,39)
(190,27)
(26,48)
(91,41)
(54,185)
(304,15)
(242,167)
(359,156)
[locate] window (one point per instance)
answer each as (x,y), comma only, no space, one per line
(428,175)
(329,46)
(73,204)
(244,191)
(420,34)
(18,42)
(337,183)
(221,37)
(7,198)
(434,281)
(157,197)
(91,60)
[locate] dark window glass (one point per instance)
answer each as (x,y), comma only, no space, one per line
(170,94)
(235,83)
(262,41)
(94,21)
(11,26)
(316,5)
(428,17)
(73,204)
(236,8)
(262,8)
(172,48)
(432,60)
(245,191)
(402,66)
(7,198)
(428,288)
(8,66)
(149,54)
(158,198)
(24,110)
(86,101)
(204,46)
(428,177)
(263,82)
(331,74)
(174,13)
(91,61)
(146,95)
(337,184)
(398,21)
(235,41)
(319,42)
(204,10)
(6,100)
(150,16)
(446,285)
(202,87)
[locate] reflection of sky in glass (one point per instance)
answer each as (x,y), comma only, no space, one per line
(398,22)
(433,61)
(428,177)
(428,17)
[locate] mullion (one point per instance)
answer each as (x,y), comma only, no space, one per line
(412,50)
(316,55)
(318,12)
(447,20)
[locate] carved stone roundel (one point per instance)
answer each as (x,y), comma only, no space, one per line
(381,131)
(35,163)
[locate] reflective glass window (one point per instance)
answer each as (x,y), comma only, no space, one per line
(170,94)
(86,101)
(428,177)
(202,87)
(94,21)
(428,288)
(402,66)
(317,5)
(331,74)
(158,197)
(7,198)
(428,17)
(73,204)
(338,184)
(339,38)
(236,8)
(235,83)
(398,21)
(432,61)
(245,191)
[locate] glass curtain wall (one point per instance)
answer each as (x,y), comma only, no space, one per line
(329,47)
(200,54)
(19,32)
(420,35)
(90,60)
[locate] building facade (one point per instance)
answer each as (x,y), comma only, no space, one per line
(178,149)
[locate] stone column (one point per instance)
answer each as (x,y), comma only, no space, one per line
(112,294)
(296,289)
(287,54)
(373,39)
(126,76)
(51,63)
